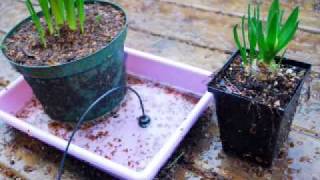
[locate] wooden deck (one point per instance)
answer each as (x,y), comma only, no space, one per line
(199,33)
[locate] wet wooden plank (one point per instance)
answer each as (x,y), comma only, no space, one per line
(177,51)
(300,158)
(190,42)
(32,159)
(205,29)
(11,13)
(35,2)
(316,69)
(9,173)
(7,72)
(310,10)
(308,112)
(195,27)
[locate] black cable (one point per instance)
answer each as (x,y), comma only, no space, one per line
(144,120)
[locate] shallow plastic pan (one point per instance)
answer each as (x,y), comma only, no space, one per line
(174,96)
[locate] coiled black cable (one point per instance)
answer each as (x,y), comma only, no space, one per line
(143,120)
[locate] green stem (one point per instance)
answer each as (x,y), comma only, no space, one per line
(81,14)
(37,23)
(58,12)
(44,4)
(71,17)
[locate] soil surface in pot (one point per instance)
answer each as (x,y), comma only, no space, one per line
(273,89)
(103,23)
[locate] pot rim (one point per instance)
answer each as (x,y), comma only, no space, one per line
(12,31)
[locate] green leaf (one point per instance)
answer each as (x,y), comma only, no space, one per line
(249,11)
(261,40)
(285,38)
(243,53)
(252,32)
(274,9)
(252,38)
(269,38)
(57,9)
(37,23)
(237,41)
(81,14)
(255,17)
(236,36)
(281,17)
(289,28)
(254,12)
(70,14)
(44,4)
(243,33)
(258,12)
(273,31)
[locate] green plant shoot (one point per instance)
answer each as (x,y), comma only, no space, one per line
(44,4)
(270,40)
(58,13)
(242,50)
(252,31)
(277,36)
(57,8)
(70,14)
(37,23)
(251,25)
(81,14)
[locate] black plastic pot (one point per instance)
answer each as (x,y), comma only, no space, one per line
(67,90)
(254,131)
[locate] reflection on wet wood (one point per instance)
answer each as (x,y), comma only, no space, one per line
(204,29)
(310,10)
(299,159)
(188,31)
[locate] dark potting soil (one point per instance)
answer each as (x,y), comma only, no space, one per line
(103,23)
(272,89)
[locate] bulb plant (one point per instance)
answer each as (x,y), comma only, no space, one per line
(56,14)
(265,40)
(70,53)
(256,93)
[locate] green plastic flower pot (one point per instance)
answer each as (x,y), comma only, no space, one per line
(66,90)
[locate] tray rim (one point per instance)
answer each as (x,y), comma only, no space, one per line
(106,165)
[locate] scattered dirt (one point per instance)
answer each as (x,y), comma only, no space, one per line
(274,89)
(291,144)
(10,173)
(103,23)
(28,168)
(3,82)
(305,159)
(23,141)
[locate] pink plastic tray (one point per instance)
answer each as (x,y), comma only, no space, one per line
(174,96)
